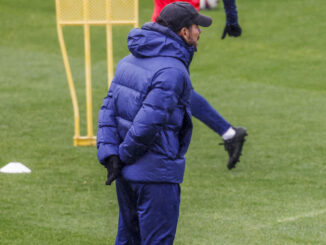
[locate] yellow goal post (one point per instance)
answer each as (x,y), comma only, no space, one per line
(87,13)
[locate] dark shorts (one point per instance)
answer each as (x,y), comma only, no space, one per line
(148,212)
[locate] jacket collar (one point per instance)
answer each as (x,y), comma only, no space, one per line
(154,40)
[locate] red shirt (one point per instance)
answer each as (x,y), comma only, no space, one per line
(160,4)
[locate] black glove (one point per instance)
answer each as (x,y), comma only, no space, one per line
(232,30)
(234,146)
(113,165)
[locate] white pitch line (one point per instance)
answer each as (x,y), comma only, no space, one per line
(300,216)
(290,219)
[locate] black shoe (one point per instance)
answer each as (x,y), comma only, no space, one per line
(234,146)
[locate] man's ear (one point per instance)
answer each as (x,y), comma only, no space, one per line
(184,33)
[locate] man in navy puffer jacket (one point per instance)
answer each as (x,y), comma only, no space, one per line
(145,124)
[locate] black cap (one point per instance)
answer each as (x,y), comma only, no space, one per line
(177,15)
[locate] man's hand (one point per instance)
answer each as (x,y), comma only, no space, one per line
(234,146)
(232,31)
(113,165)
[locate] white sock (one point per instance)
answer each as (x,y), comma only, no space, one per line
(229,134)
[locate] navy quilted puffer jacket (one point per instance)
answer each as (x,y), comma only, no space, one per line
(146,117)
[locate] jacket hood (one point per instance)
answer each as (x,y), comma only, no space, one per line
(154,40)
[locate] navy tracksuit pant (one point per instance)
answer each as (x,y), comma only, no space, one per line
(148,212)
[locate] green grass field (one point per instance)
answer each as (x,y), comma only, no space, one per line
(271,80)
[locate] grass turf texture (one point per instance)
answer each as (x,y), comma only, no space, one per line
(270,80)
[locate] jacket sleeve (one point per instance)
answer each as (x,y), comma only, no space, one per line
(107,138)
(167,86)
(201,109)
(231,13)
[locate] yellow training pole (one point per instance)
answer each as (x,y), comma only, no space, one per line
(69,77)
(86,13)
(88,75)
(109,46)
(136,13)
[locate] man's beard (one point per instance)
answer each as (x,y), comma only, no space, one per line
(192,44)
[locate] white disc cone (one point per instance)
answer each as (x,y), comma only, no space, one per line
(15,168)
